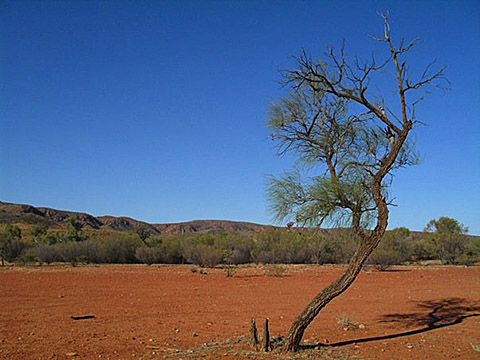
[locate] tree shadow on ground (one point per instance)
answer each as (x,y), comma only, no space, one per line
(431,315)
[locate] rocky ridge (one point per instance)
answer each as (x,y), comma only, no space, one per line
(28,214)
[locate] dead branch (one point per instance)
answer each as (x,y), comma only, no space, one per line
(266,337)
(254,334)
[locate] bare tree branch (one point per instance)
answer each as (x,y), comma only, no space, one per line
(331,118)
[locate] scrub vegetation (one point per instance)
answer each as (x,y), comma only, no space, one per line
(444,240)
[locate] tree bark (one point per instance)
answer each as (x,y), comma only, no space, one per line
(367,244)
(295,334)
(323,82)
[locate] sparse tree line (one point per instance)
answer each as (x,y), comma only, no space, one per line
(444,239)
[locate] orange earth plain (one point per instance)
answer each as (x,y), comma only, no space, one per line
(176,312)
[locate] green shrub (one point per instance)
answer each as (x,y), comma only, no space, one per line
(71,251)
(172,252)
(229,270)
(347,324)
(11,245)
(149,254)
(240,256)
(262,256)
(274,270)
(471,252)
(74,231)
(48,253)
(118,251)
(203,255)
(26,258)
(394,249)
(446,240)
(384,258)
(39,232)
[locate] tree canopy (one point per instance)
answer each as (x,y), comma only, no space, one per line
(332,122)
(339,123)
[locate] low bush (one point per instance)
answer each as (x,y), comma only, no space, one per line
(273,246)
(172,251)
(263,256)
(48,253)
(240,255)
(382,259)
(395,248)
(118,251)
(274,270)
(347,324)
(27,258)
(149,254)
(15,249)
(71,251)
(229,270)
(203,255)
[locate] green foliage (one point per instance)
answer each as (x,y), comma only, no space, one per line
(336,248)
(73,231)
(384,258)
(11,245)
(347,324)
(172,251)
(51,238)
(118,251)
(73,223)
(149,255)
(446,240)
(203,255)
(317,131)
(39,232)
(471,254)
(48,254)
(303,247)
(12,233)
(274,270)
(271,246)
(395,248)
(26,258)
(344,150)
(446,225)
(143,233)
(229,270)
(72,251)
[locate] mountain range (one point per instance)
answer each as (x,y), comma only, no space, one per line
(28,214)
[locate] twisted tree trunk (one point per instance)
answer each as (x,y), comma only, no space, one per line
(367,244)
(333,290)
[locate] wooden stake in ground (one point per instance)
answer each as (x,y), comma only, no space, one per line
(254,334)
(266,336)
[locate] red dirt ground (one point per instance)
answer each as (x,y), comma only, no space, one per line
(149,312)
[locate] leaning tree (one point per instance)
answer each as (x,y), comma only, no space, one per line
(353,137)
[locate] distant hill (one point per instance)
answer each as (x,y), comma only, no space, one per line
(28,214)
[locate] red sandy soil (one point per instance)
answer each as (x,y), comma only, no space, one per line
(153,312)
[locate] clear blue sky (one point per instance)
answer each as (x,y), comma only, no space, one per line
(156,110)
